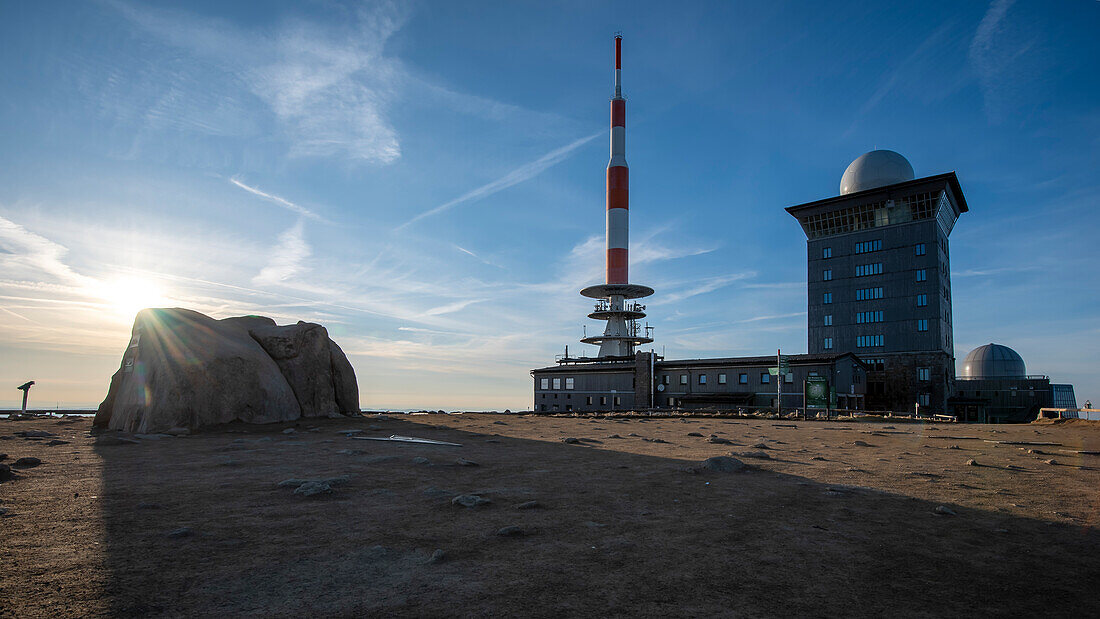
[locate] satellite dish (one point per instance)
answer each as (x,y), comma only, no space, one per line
(660,387)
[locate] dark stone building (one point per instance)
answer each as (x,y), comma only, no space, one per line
(879,278)
(651,382)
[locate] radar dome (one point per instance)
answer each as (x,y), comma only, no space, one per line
(877,168)
(992,361)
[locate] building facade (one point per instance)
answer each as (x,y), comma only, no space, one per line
(651,382)
(879,279)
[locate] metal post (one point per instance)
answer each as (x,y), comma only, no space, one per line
(778,385)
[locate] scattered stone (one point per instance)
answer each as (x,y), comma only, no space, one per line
(723,464)
(860,444)
(510,531)
(499,423)
(632,434)
(351,432)
(432,491)
(4,512)
(5,472)
(290,431)
(181,533)
(972,462)
(421,460)
(3,457)
(655,440)
(492,440)
(529,505)
(760,446)
(27,462)
(469,500)
(945,511)
(437,556)
(313,488)
(571,440)
(1051,461)
(954,447)
(695,434)
(753,454)
(465,462)
(719,440)
(614,436)
(819,458)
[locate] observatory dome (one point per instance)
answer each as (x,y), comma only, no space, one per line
(877,168)
(992,361)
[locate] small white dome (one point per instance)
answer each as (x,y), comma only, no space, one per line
(877,168)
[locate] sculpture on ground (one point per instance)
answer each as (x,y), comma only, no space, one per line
(183,369)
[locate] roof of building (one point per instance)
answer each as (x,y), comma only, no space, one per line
(992,361)
(877,168)
(766,360)
(948,177)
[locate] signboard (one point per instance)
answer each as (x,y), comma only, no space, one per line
(817,392)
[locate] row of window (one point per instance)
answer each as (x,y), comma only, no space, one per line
(557,383)
(868,246)
(863,270)
(863,317)
(742,378)
(865,247)
(868,294)
(868,341)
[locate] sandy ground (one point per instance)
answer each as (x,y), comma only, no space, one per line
(840,520)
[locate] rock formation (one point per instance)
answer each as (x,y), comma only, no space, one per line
(183,369)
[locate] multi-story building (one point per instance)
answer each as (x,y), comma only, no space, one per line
(879,278)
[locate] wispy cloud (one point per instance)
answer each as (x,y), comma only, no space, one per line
(286,257)
(520,174)
(283,202)
(992,59)
(28,253)
(702,286)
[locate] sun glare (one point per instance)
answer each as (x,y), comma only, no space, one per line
(129,295)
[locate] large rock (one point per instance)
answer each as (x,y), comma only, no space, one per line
(183,369)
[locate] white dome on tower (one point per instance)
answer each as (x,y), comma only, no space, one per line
(877,168)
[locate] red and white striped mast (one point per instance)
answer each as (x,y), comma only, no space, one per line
(622,333)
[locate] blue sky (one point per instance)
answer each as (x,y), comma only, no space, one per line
(426,179)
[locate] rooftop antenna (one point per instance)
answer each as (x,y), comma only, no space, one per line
(25,388)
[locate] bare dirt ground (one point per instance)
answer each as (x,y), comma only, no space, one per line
(839,520)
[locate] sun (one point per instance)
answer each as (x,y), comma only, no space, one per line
(127,296)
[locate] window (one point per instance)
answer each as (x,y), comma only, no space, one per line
(743,379)
(588,400)
(568,407)
(919,248)
(925,399)
(867,294)
(867,341)
(618,401)
(922,324)
(827,275)
(922,275)
(922,300)
(868,246)
(924,374)
(828,320)
(764,378)
(603,400)
(788,377)
(863,270)
(569,383)
(666,379)
(721,379)
(557,383)
(546,383)
(827,298)
(872,316)
(683,379)
(827,252)
(702,379)
(828,343)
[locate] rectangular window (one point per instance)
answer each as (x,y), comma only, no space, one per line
(588,400)
(922,275)
(569,383)
(868,294)
(557,383)
(617,401)
(702,379)
(683,379)
(765,378)
(827,275)
(922,324)
(922,300)
(828,343)
(568,407)
(868,246)
(924,374)
(827,252)
(919,248)
(925,399)
(788,377)
(828,320)
(721,379)
(667,378)
(603,400)
(827,298)
(870,316)
(863,270)
(546,383)
(743,379)
(868,341)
